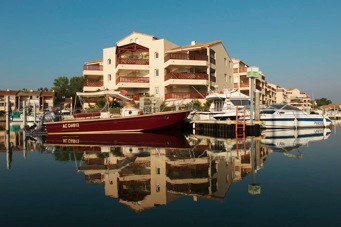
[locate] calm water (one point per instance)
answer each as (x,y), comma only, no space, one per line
(284,178)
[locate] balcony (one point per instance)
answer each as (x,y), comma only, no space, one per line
(186,76)
(244,84)
(132,61)
(93,83)
(93,67)
(185,95)
(132,79)
(181,56)
(240,70)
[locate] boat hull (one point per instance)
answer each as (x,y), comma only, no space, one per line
(148,122)
(290,122)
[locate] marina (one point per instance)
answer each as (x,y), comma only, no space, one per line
(147,176)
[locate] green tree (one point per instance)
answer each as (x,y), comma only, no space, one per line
(76,85)
(114,104)
(101,102)
(322,102)
(43,89)
(61,87)
(65,88)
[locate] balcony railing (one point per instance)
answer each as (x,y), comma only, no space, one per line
(135,97)
(92,83)
(133,61)
(239,70)
(180,56)
(244,84)
(93,67)
(186,76)
(185,95)
(132,79)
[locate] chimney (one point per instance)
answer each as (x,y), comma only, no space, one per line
(193,42)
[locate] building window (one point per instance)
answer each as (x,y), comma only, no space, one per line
(109,77)
(109,61)
(225,61)
(158,171)
(157,188)
(156,72)
(157,90)
(156,55)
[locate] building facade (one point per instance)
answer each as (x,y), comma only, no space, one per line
(242,83)
(299,99)
(144,65)
(41,100)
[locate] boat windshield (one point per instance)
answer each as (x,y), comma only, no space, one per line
(283,107)
(241,102)
(288,107)
(267,111)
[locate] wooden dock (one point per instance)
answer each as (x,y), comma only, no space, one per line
(228,128)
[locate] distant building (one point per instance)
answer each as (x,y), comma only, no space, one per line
(242,83)
(12,99)
(299,99)
(41,100)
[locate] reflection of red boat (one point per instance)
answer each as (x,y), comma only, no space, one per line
(144,139)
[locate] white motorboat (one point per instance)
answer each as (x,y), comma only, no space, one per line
(224,104)
(287,116)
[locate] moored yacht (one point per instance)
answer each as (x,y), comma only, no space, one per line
(287,116)
(224,104)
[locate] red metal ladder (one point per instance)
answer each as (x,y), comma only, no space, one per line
(240,127)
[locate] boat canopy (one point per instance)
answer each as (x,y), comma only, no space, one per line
(227,94)
(113,94)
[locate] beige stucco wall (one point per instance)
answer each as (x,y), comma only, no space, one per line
(223,67)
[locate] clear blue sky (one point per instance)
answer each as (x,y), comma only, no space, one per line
(296,43)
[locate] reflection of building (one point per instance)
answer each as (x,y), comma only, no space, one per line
(144,177)
(17,141)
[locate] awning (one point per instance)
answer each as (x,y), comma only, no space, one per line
(114,94)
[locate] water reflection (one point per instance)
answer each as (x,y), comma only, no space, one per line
(290,141)
(145,170)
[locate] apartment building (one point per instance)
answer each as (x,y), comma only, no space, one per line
(242,83)
(42,100)
(144,65)
(270,93)
(12,99)
(299,99)
(281,94)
